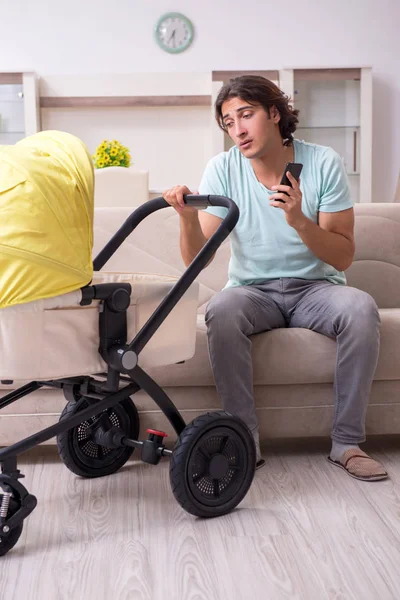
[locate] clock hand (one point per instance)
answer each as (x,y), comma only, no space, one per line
(172,36)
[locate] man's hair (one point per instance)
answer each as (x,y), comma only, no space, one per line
(255,89)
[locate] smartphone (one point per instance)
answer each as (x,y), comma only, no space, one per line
(293,168)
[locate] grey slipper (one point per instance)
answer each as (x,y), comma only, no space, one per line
(360,466)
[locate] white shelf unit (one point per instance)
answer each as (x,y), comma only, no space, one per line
(19,106)
(336,110)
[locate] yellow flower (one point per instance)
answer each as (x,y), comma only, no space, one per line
(111,153)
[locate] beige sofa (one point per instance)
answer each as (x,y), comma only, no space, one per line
(293,368)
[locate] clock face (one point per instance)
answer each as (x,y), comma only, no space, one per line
(174,32)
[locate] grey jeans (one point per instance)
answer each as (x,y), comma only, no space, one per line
(344,313)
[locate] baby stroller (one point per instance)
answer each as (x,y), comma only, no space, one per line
(99,369)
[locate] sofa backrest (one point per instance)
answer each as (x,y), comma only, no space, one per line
(376,267)
(154,247)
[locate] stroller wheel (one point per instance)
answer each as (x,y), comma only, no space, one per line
(9,541)
(82,455)
(213,464)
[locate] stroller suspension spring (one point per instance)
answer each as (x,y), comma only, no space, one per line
(5,503)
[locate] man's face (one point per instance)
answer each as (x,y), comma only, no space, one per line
(249,126)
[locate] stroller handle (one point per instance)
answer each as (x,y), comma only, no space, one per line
(197,265)
(152,205)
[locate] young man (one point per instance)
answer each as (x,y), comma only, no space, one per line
(289,250)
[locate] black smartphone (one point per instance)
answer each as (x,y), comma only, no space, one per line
(293,168)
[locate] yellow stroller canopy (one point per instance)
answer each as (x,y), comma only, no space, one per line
(46,217)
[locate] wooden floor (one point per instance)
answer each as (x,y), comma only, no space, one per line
(306,530)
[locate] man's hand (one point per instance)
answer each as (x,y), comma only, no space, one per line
(174,197)
(290,202)
(331,239)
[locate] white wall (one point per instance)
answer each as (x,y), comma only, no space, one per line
(79,37)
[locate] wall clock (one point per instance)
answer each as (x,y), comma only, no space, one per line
(174,32)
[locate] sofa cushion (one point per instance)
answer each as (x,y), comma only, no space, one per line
(287,356)
(284,356)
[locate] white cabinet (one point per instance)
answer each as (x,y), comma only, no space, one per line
(336,110)
(19,106)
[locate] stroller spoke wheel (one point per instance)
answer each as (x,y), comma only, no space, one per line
(213,464)
(77,447)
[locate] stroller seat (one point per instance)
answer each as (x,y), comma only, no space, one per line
(54,338)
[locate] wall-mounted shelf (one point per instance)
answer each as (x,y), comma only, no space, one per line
(123,101)
(163,118)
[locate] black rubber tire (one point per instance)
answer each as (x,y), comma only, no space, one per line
(194,493)
(6,543)
(82,462)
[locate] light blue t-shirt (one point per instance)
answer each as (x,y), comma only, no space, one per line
(263,245)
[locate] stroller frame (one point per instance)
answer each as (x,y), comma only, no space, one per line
(121,358)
